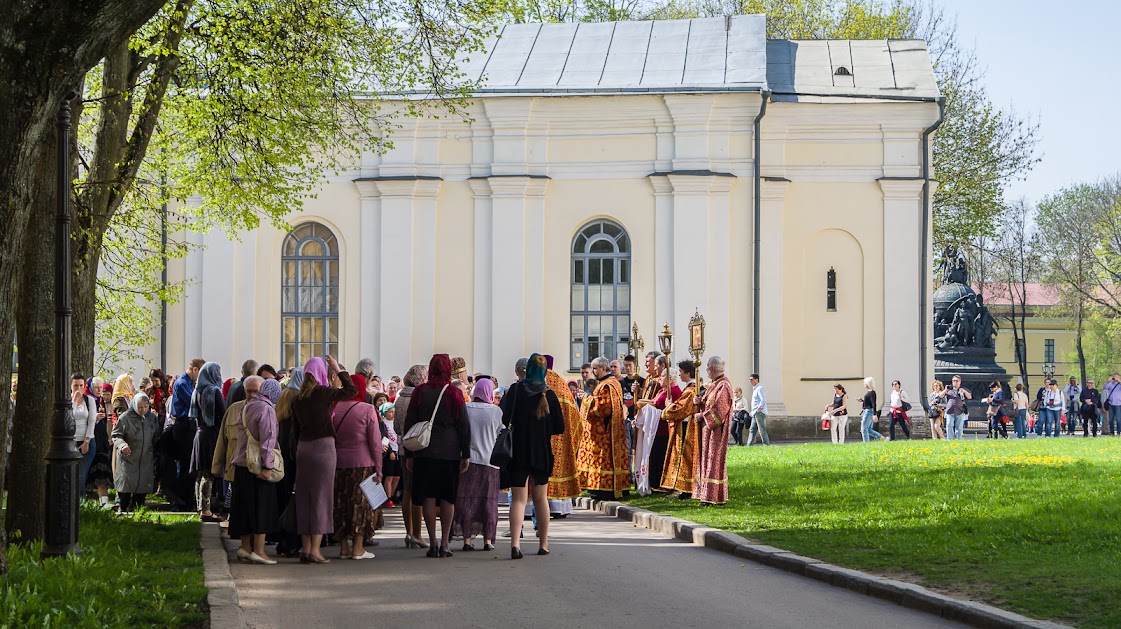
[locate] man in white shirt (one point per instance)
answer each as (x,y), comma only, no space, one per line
(758,412)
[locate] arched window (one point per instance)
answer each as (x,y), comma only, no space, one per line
(601,292)
(309,294)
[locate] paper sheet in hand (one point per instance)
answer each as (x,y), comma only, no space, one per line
(374,492)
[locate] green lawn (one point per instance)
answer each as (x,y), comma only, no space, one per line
(143,570)
(1032,526)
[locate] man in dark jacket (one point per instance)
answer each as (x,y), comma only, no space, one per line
(1090,405)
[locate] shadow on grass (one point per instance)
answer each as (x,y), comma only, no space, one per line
(1042,540)
(134,570)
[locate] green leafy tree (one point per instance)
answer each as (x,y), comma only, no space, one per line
(243,108)
(46,47)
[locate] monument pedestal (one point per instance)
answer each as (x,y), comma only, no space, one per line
(977,367)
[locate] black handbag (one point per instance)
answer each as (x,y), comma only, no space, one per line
(906,406)
(503,450)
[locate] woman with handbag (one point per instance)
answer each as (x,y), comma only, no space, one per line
(838,411)
(897,408)
(476,503)
(533,415)
(937,412)
(358,456)
(253,510)
(315,453)
(436,459)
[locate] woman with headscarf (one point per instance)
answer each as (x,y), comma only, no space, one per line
(358,456)
(436,469)
(315,453)
(101,470)
(533,414)
(390,458)
(410,511)
(476,502)
(253,511)
(208,407)
(287,541)
(123,392)
(134,444)
(158,392)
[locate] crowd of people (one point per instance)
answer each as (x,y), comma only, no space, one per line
(288,457)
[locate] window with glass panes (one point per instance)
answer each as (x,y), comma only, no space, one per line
(309,294)
(601,292)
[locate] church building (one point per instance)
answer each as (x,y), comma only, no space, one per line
(613,174)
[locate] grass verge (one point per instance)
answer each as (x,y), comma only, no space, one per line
(139,570)
(1032,526)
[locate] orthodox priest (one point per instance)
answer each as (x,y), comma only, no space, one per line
(714,416)
(563,486)
(677,475)
(650,445)
(601,466)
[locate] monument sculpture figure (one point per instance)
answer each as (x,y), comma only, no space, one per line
(964,330)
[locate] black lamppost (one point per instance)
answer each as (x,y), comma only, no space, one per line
(62,457)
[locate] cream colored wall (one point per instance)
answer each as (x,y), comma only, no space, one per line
(598,153)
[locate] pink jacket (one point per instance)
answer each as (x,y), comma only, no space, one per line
(357,435)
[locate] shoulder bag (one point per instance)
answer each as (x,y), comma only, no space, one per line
(503,451)
(418,437)
(253,454)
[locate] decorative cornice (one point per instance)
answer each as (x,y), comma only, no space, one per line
(690,173)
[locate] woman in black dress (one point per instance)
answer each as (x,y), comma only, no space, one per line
(533,415)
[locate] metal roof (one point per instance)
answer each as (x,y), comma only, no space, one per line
(661,55)
(703,54)
(872,68)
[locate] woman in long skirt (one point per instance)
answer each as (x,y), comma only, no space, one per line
(476,502)
(357,457)
(253,511)
(315,454)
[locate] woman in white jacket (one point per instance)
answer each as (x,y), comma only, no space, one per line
(898,411)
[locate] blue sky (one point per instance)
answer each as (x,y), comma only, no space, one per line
(1062,63)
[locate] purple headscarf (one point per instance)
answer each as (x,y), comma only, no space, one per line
(270,390)
(317,368)
(484,390)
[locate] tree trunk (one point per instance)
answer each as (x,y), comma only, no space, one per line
(1078,342)
(35,401)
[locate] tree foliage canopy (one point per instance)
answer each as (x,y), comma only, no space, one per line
(238,110)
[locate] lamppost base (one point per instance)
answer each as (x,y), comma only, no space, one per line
(61,531)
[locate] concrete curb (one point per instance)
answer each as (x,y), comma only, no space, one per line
(225,608)
(898,592)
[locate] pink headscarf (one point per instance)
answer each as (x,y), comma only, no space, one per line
(317,368)
(484,390)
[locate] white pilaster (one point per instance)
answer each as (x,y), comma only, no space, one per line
(509,120)
(483,287)
(903,217)
(192,297)
(517,269)
(369,276)
(663,255)
(244,304)
(718,310)
(772,195)
(691,113)
(424,268)
(690,252)
(407,308)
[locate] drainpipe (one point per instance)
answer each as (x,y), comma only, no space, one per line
(924,272)
(163,272)
(764,96)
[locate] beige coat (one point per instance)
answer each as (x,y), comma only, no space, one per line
(223,462)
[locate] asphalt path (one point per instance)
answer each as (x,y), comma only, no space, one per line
(603,572)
